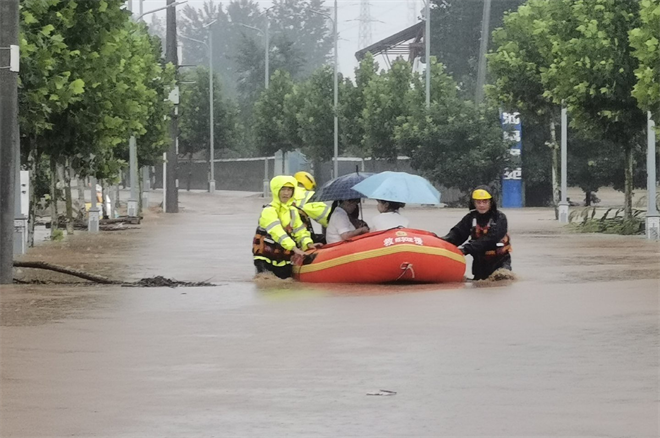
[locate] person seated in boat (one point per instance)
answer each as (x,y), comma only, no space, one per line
(389,216)
(344,222)
(487,230)
(281,233)
(317,211)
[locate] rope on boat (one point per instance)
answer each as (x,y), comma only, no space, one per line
(405,266)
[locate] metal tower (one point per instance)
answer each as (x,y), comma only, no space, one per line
(364,39)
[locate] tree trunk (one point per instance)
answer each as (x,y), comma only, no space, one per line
(587,198)
(53,196)
(190,163)
(555,167)
(81,191)
(32,165)
(69,200)
(117,196)
(104,205)
(629,163)
(140,190)
(85,275)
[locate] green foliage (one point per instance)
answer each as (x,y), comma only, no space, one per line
(89,79)
(309,33)
(645,39)
(387,98)
(593,69)
(251,65)
(56,235)
(351,104)
(312,105)
(194,119)
(300,41)
(276,126)
(523,52)
(46,84)
(585,221)
(456,144)
(455,34)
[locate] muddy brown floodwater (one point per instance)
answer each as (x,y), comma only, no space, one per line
(570,348)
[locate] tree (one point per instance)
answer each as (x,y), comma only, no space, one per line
(351,104)
(645,39)
(308,32)
(522,53)
(46,84)
(275,129)
(593,73)
(227,34)
(387,98)
(195,115)
(251,66)
(453,143)
(455,34)
(456,144)
(104,81)
(315,115)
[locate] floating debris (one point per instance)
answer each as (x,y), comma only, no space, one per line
(382,392)
(160,281)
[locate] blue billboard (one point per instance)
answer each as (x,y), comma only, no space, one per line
(512,187)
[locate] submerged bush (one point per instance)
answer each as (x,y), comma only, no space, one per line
(585,221)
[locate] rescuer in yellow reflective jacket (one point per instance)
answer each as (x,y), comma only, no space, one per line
(281,232)
(318,211)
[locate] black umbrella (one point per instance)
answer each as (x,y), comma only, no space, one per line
(341,188)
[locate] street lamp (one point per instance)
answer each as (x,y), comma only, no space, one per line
(266,46)
(170,190)
(209,48)
(139,17)
(336,89)
(266,35)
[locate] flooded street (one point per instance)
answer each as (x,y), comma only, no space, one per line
(569,349)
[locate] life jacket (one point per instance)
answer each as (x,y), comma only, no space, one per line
(263,245)
(478,231)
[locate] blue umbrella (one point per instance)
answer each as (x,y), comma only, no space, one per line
(340,188)
(399,187)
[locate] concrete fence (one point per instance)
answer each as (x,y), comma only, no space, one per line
(248,174)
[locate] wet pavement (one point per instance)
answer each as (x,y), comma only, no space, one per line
(570,349)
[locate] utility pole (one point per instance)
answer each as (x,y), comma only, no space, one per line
(9,61)
(211,105)
(335,108)
(483,48)
(563,204)
(171,180)
(652,216)
(133,201)
(427,52)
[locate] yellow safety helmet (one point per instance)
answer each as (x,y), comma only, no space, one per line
(481,194)
(306,179)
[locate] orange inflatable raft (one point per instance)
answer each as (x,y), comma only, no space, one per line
(396,255)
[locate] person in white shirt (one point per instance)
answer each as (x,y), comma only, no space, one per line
(389,216)
(340,225)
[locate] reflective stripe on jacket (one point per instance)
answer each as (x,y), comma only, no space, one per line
(318,211)
(504,245)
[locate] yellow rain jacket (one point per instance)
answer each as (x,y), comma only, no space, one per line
(280,227)
(319,211)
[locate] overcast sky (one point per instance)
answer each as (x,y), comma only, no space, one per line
(388,17)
